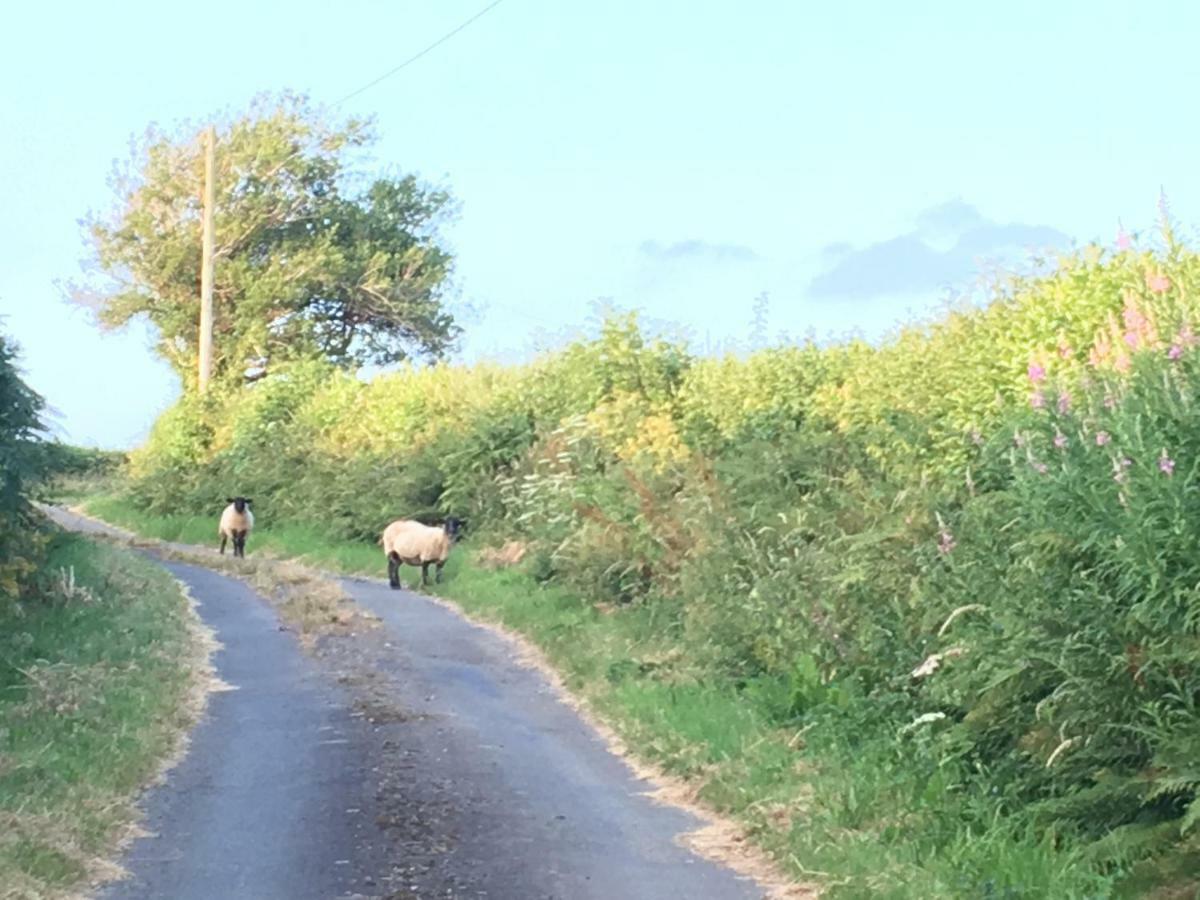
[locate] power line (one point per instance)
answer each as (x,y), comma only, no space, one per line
(415,57)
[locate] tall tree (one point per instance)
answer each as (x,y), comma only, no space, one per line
(312,259)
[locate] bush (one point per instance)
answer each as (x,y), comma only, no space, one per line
(22,464)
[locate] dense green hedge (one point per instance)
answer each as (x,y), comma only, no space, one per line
(21,464)
(970,549)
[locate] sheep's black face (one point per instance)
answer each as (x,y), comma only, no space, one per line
(239,503)
(453,527)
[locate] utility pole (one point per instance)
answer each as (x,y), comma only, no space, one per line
(206,261)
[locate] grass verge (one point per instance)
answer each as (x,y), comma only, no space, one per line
(101,675)
(830,800)
(307,600)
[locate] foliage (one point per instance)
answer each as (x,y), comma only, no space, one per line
(929,558)
(58,459)
(22,463)
(309,260)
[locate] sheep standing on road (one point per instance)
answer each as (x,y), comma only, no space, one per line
(410,543)
(236,522)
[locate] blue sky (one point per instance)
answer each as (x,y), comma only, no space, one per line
(676,157)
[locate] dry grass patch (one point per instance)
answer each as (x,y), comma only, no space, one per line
(308,600)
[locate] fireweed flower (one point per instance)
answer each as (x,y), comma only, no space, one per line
(1060,441)
(946,543)
(1140,329)
(1064,403)
(1135,320)
(1036,373)
(1101,350)
(1037,400)
(1040,467)
(1186,338)
(1123,241)
(1102,438)
(1109,401)
(1158,283)
(1175,352)
(1064,350)
(1166,465)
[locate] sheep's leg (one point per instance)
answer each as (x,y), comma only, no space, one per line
(424,574)
(223,539)
(437,576)
(393,572)
(241,544)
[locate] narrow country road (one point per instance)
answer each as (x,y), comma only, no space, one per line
(413,760)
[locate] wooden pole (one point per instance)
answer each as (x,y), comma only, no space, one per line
(206,262)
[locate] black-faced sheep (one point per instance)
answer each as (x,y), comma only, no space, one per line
(410,543)
(236,522)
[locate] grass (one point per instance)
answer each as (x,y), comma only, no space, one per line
(280,566)
(827,797)
(98,680)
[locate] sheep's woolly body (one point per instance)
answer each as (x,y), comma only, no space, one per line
(233,522)
(414,544)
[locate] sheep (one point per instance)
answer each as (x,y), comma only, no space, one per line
(406,542)
(236,522)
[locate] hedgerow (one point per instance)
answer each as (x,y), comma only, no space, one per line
(969,549)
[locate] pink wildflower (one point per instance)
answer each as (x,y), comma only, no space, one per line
(1036,373)
(1110,401)
(1166,465)
(1133,339)
(1175,352)
(1018,439)
(1123,241)
(1064,403)
(1040,467)
(976,437)
(1060,441)
(1126,462)
(1122,362)
(946,543)
(1186,338)
(1102,438)
(1037,400)
(1064,350)
(1159,283)
(1134,318)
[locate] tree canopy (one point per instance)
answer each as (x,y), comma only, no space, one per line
(311,258)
